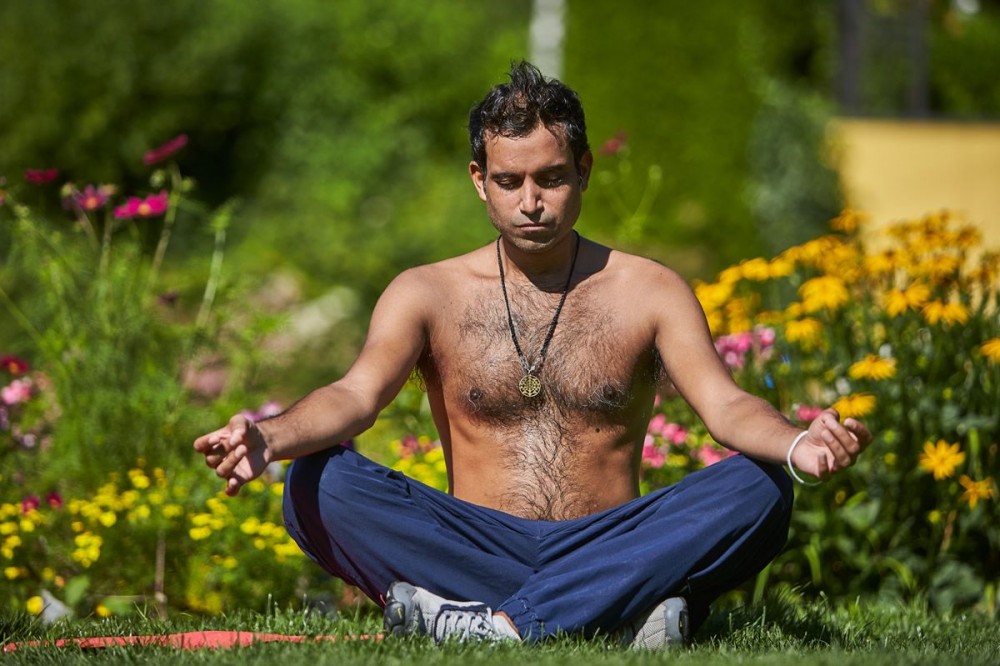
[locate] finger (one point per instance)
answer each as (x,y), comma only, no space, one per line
(206,443)
(860,431)
(213,459)
(232,459)
(823,469)
(840,444)
(233,486)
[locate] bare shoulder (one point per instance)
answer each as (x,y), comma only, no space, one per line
(644,279)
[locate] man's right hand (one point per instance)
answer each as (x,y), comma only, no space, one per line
(237,452)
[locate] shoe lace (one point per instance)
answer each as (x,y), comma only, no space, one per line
(464,623)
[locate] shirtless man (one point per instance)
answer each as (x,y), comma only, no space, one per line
(542,354)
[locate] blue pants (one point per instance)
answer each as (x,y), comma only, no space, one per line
(370,525)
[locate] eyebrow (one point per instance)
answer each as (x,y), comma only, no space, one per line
(559,166)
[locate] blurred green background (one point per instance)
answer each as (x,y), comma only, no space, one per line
(338,128)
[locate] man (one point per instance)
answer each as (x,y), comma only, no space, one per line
(541,354)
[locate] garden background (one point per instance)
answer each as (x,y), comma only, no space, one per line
(200,203)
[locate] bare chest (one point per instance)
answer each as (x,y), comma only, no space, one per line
(596,366)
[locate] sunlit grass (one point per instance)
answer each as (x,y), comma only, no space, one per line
(776,633)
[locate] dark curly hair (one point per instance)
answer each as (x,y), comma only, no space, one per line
(515,109)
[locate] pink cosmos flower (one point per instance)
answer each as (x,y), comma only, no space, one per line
(54,500)
(40,176)
(13,364)
(157,155)
(17,391)
(30,503)
(807,413)
(93,198)
(152,206)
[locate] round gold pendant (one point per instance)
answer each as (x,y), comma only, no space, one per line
(529,386)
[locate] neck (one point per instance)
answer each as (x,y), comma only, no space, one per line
(546,270)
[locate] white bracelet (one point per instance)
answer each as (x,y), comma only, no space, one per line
(791,467)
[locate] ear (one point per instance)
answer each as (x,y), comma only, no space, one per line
(478,179)
(586,163)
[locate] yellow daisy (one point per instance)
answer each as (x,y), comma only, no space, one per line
(898,301)
(873,367)
(826,292)
(856,405)
(949,312)
(755,270)
(848,221)
(807,332)
(977,490)
(941,459)
(991,349)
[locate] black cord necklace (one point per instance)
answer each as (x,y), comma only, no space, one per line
(530,385)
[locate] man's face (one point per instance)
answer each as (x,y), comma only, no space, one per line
(532,187)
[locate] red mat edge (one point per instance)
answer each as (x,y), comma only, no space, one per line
(190,640)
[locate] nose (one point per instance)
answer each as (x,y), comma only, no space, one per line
(531,198)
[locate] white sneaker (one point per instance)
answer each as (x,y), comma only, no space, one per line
(665,626)
(413,610)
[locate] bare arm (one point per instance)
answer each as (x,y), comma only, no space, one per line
(240,450)
(735,418)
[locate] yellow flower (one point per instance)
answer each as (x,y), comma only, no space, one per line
(941,459)
(848,221)
(102,611)
(13,573)
(991,349)
(199,533)
(34,605)
(898,301)
(977,490)
(856,405)
(756,269)
(780,267)
(108,518)
(807,331)
(713,295)
(949,313)
(883,262)
(873,367)
(826,292)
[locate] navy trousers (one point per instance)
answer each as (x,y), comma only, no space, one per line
(370,525)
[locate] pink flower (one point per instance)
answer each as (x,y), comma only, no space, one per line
(807,413)
(675,434)
(14,365)
(40,176)
(409,446)
(152,206)
(17,391)
(652,456)
(30,503)
(54,500)
(157,155)
(656,423)
(93,198)
(709,455)
(614,145)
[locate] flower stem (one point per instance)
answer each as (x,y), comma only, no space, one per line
(168,225)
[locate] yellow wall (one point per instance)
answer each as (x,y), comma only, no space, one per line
(902,170)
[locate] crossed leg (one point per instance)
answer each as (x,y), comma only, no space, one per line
(370,526)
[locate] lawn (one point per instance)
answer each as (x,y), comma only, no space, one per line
(780,632)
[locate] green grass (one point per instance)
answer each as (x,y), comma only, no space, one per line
(778,633)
